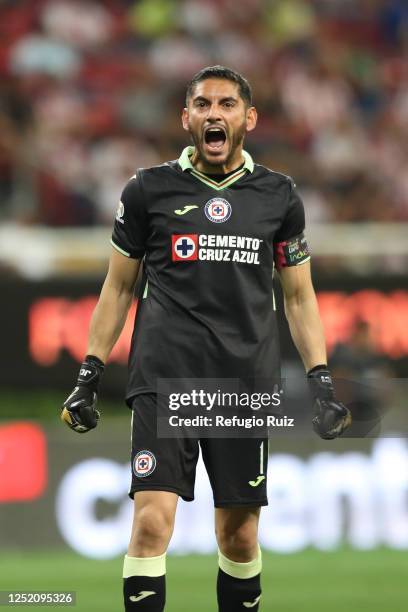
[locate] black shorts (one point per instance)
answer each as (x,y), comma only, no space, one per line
(236,467)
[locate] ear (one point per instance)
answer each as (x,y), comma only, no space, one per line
(252,118)
(184,119)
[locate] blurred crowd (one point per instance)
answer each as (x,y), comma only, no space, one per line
(91,90)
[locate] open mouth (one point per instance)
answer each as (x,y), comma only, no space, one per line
(215,138)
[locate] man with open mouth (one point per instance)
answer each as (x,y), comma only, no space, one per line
(217,118)
(211,228)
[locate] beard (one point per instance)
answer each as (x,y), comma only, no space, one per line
(234,141)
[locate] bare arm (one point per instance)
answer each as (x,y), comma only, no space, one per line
(114,302)
(302,314)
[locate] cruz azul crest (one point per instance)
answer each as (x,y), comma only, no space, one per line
(218,210)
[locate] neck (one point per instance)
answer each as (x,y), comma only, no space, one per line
(229,165)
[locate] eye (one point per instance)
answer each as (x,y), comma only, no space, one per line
(200,103)
(229,104)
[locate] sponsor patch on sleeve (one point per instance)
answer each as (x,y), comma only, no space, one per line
(291,252)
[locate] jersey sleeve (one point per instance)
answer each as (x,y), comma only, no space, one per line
(290,245)
(130,228)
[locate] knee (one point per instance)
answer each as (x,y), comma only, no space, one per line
(238,543)
(151,532)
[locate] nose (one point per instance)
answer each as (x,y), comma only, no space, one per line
(214,113)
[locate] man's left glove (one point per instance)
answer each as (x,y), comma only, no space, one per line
(78,410)
(331,417)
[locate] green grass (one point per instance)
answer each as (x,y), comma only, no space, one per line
(310,581)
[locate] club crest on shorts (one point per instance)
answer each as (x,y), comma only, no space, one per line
(144,463)
(218,210)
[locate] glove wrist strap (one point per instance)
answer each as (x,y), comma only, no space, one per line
(94,359)
(90,372)
(321,383)
(316,368)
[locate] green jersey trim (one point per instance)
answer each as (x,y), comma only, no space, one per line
(119,249)
(146,290)
(186,165)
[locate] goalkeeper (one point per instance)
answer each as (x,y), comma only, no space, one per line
(211,227)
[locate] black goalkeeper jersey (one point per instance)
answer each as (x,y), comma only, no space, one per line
(206,306)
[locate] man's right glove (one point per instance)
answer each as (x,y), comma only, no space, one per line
(331,417)
(78,411)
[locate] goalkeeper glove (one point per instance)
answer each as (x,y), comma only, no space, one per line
(331,417)
(78,410)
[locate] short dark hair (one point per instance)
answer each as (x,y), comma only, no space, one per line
(221,72)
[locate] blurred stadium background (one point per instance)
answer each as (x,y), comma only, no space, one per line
(89,91)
